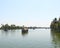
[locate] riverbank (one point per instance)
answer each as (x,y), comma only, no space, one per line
(55,24)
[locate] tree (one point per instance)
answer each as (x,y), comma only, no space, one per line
(55,20)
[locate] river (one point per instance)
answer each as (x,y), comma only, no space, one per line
(38,38)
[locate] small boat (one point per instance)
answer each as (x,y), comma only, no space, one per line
(25,29)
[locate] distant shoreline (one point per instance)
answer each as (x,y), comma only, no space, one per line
(29,28)
(14,27)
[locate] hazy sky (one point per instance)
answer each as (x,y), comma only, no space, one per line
(29,12)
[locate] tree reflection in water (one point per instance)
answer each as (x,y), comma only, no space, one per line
(4,33)
(55,39)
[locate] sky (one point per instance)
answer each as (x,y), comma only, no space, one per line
(29,12)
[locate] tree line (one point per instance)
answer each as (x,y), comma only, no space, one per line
(8,27)
(55,24)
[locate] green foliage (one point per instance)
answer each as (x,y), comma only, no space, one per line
(10,27)
(55,24)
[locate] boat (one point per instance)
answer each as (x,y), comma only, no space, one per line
(25,29)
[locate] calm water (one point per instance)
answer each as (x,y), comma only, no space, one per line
(39,38)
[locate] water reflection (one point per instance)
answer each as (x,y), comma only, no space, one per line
(4,33)
(55,39)
(9,32)
(24,33)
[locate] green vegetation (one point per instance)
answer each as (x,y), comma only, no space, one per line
(10,27)
(55,24)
